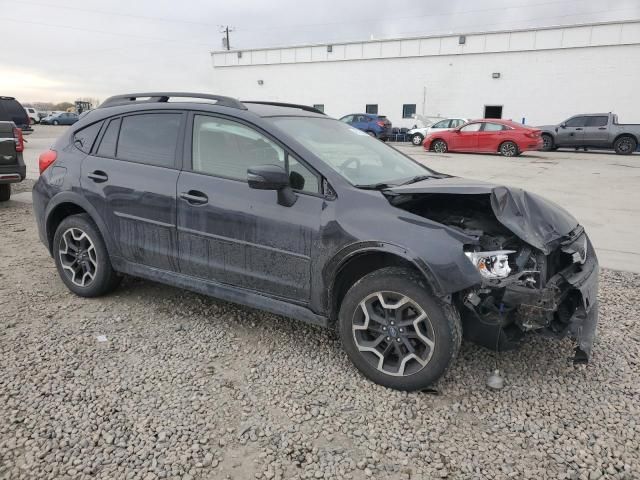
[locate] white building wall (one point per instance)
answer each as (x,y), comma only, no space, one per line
(546,75)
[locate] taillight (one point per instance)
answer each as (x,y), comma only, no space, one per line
(18,138)
(533,134)
(380,123)
(46,159)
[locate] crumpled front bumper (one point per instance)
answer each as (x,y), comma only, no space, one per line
(568,303)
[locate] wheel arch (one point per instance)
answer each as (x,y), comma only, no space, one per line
(508,140)
(434,140)
(352,266)
(66,204)
(626,134)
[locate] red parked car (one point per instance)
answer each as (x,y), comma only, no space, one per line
(486,135)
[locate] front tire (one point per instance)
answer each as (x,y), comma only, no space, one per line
(509,149)
(82,259)
(5,192)
(395,332)
(625,145)
(547,142)
(417,139)
(439,146)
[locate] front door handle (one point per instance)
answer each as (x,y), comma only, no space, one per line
(579,128)
(98,176)
(194,197)
(602,128)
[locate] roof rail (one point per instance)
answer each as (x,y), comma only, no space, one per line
(155,97)
(306,108)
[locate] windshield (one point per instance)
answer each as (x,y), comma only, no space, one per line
(361,159)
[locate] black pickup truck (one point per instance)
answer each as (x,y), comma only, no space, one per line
(12,167)
(592,130)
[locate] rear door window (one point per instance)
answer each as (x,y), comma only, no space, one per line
(85,138)
(150,138)
(109,139)
(598,121)
(493,127)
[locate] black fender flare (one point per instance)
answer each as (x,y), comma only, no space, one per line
(340,259)
(82,202)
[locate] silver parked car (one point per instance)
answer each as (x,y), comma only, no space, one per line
(417,135)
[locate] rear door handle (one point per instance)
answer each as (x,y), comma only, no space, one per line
(579,128)
(98,176)
(602,128)
(194,197)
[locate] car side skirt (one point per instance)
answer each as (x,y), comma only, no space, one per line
(221,291)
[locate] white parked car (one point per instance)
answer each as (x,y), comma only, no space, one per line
(417,135)
(33,115)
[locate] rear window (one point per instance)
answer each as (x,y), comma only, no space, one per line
(84,139)
(12,111)
(150,138)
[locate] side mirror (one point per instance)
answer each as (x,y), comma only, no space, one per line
(563,125)
(272,177)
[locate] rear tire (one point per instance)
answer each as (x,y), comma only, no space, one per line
(417,139)
(415,336)
(55,122)
(5,192)
(625,145)
(371,134)
(439,146)
(82,259)
(508,149)
(547,142)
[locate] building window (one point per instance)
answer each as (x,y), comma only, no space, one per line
(319,106)
(408,110)
(372,108)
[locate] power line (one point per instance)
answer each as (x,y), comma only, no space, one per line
(117,14)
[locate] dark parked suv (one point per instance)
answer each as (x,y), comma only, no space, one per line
(279,207)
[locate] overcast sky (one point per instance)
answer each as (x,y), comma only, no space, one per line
(62,50)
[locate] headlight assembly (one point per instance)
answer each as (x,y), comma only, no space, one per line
(493,264)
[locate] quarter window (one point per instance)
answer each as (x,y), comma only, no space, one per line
(408,110)
(109,139)
(83,139)
(319,106)
(150,138)
(576,122)
(472,127)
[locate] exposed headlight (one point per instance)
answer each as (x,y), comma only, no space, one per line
(491,264)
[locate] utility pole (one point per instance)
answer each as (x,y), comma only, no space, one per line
(225,41)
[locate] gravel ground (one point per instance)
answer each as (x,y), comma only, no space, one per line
(189,387)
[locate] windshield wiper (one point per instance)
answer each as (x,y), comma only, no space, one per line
(374,186)
(419,178)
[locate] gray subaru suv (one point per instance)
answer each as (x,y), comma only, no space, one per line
(281,208)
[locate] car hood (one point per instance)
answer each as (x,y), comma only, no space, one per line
(549,128)
(422,130)
(532,218)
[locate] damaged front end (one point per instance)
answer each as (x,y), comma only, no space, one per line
(538,271)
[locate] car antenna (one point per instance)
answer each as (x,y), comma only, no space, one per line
(495,380)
